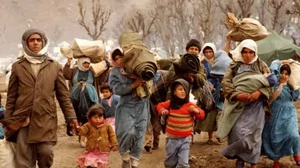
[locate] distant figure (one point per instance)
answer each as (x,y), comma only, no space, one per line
(83,91)
(109,102)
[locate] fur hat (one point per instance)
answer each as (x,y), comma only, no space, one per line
(191,43)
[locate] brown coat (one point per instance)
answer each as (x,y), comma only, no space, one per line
(104,136)
(33,97)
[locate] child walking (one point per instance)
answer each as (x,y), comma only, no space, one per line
(109,102)
(179,123)
(101,139)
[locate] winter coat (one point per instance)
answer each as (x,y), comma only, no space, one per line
(103,136)
(33,98)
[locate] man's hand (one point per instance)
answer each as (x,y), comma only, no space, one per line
(254,96)
(73,123)
(243,97)
(138,82)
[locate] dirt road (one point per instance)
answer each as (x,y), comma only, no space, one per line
(202,155)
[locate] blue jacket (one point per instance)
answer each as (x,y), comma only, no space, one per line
(110,110)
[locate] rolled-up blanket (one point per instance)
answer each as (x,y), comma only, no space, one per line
(137,58)
(187,63)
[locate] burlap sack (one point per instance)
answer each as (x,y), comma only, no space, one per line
(98,68)
(294,79)
(85,48)
(246,28)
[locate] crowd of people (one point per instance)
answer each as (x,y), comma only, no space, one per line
(238,96)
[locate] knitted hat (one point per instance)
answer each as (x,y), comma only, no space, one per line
(191,43)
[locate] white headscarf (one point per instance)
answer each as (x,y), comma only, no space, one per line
(237,52)
(210,45)
(80,61)
(214,49)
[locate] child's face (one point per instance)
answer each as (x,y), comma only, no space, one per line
(106,93)
(180,92)
(96,119)
(284,76)
(193,50)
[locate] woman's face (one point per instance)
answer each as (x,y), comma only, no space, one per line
(247,55)
(118,59)
(86,64)
(180,92)
(208,53)
(284,76)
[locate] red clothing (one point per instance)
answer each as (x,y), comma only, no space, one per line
(180,122)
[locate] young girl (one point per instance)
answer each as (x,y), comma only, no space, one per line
(101,139)
(280,134)
(109,102)
(179,124)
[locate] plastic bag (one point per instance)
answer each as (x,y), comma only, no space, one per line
(246,28)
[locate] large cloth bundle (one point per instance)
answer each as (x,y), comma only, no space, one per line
(294,79)
(85,48)
(98,68)
(246,82)
(137,59)
(246,28)
(221,63)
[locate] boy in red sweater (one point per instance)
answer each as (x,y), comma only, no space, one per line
(179,124)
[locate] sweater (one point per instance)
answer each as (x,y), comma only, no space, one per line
(180,122)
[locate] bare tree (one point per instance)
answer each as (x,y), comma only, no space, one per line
(279,16)
(174,24)
(296,7)
(143,24)
(241,8)
(262,11)
(100,19)
(204,18)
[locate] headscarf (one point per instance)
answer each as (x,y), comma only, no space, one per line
(80,61)
(237,52)
(29,55)
(177,103)
(214,49)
